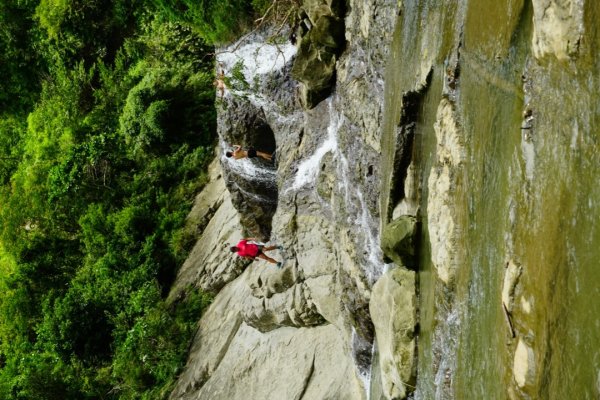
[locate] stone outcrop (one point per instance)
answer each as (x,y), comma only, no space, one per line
(393,309)
(279,299)
(524,364)
(557,28)
(305,363)
(398,240)
(444,191)
(321,40)
(230,359)
(409,204)
(305,330)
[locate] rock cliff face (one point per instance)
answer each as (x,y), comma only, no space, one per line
(305,330)
(321,40)
(393,126)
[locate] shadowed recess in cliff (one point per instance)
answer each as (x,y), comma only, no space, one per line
(252,182)
(405,133)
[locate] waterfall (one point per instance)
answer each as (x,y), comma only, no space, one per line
(248,169)
(355,214)
(358,213)
(350,208)
(363,373)
(256,59)
(309,168)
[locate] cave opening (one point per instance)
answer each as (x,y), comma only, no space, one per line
(252,182)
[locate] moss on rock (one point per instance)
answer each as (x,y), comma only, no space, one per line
(321,43)
(398,240)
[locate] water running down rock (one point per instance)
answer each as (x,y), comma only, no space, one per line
(500,102)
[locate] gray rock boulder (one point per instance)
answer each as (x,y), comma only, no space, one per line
(524,364)
(393,309)
(321,42)
(444,191)
(230,359)
(279,299)
(315,69)
(398,240)
(305,363)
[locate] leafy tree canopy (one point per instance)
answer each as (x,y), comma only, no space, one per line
(106,130)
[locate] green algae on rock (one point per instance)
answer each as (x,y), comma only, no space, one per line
(398,240)
(322,40)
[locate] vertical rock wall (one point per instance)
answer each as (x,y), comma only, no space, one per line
(506,111)
(303,331)
(405,123)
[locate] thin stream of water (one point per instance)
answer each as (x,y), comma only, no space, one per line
(353,197)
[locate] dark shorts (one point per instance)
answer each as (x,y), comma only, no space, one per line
(251,152)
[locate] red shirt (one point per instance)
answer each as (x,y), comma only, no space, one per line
(246,249)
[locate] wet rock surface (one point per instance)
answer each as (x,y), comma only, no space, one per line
(399,240)
(444,180)
(251,181)
(476,118)
(524,364)
(558,28)
(501,136)
(393,309)
(308,324)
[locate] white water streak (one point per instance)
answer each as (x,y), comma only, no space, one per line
(247,169)
(309,168)
(448,357)
(307,175)
(258,58)
(575,135)
(364,375)
(528,150)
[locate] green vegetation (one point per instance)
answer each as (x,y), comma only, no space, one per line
(107,124)
(222,21)
(217,21)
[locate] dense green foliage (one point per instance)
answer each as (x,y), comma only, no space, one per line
(217,21)
(107,123)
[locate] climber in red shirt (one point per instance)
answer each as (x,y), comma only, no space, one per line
(253,250)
